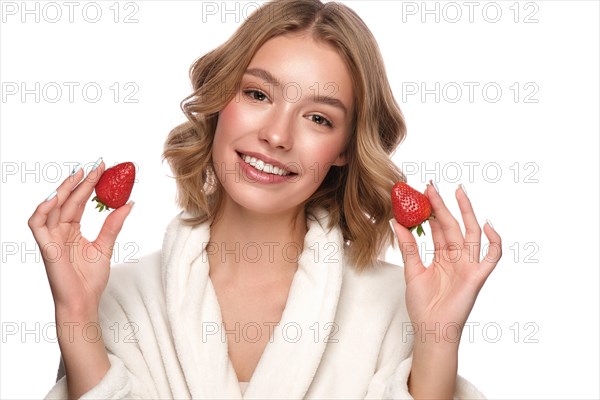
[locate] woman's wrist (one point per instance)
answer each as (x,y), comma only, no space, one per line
(83,351)
(435,347)
(78,312)
(434,369)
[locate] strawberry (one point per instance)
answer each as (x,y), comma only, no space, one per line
(115,185)
(410,207)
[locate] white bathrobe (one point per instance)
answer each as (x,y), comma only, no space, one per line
(341,335)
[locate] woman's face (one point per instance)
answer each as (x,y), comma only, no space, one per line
(288,124)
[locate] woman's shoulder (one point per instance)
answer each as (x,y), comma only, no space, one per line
(381,282)
(135,278)
(380,272)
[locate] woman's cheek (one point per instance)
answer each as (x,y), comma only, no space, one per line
(230,116)
(238,116)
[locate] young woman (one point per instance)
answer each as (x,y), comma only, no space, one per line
(268,283)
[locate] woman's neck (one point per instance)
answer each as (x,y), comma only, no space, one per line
(243,241)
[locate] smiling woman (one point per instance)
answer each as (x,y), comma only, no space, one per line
(268,284)
(299,54)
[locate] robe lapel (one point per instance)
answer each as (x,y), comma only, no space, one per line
(195,316)
(291,358)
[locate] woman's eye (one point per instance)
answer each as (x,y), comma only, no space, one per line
(255,95)
(321,120)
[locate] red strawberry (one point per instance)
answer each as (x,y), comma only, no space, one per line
(114,187)
(410,207)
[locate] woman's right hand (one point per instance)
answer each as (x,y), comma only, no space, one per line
(77,269)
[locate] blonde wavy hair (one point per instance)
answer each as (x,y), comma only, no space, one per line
(357,195)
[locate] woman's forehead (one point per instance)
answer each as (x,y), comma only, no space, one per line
(299,61)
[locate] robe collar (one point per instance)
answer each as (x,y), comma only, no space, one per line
(292,356)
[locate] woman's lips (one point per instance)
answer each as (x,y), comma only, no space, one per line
(260,164)
(263,172)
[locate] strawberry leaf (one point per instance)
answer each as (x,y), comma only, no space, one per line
(101,206)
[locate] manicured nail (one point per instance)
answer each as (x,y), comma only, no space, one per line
(463,189)
(76,169)
(52,195)
(97,163)
(395,242)
(434,185)
(490,223)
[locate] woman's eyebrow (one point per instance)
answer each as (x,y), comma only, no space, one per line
(269,78)
(263,74)
(332,101)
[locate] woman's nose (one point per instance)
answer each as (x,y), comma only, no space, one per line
(277,133)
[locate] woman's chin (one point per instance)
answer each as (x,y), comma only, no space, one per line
(262,205)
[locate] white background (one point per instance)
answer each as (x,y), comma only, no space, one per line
(535,325)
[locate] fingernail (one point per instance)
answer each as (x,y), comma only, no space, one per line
(131,203)
(392,228)
(463,189)
(52,195)
(434,185)
(76,169)
(97,163)
(490,224)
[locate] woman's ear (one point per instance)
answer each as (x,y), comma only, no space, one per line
(342,158)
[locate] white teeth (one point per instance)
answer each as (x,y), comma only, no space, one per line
(263,166)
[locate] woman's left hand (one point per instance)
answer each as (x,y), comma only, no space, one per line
(439,298)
